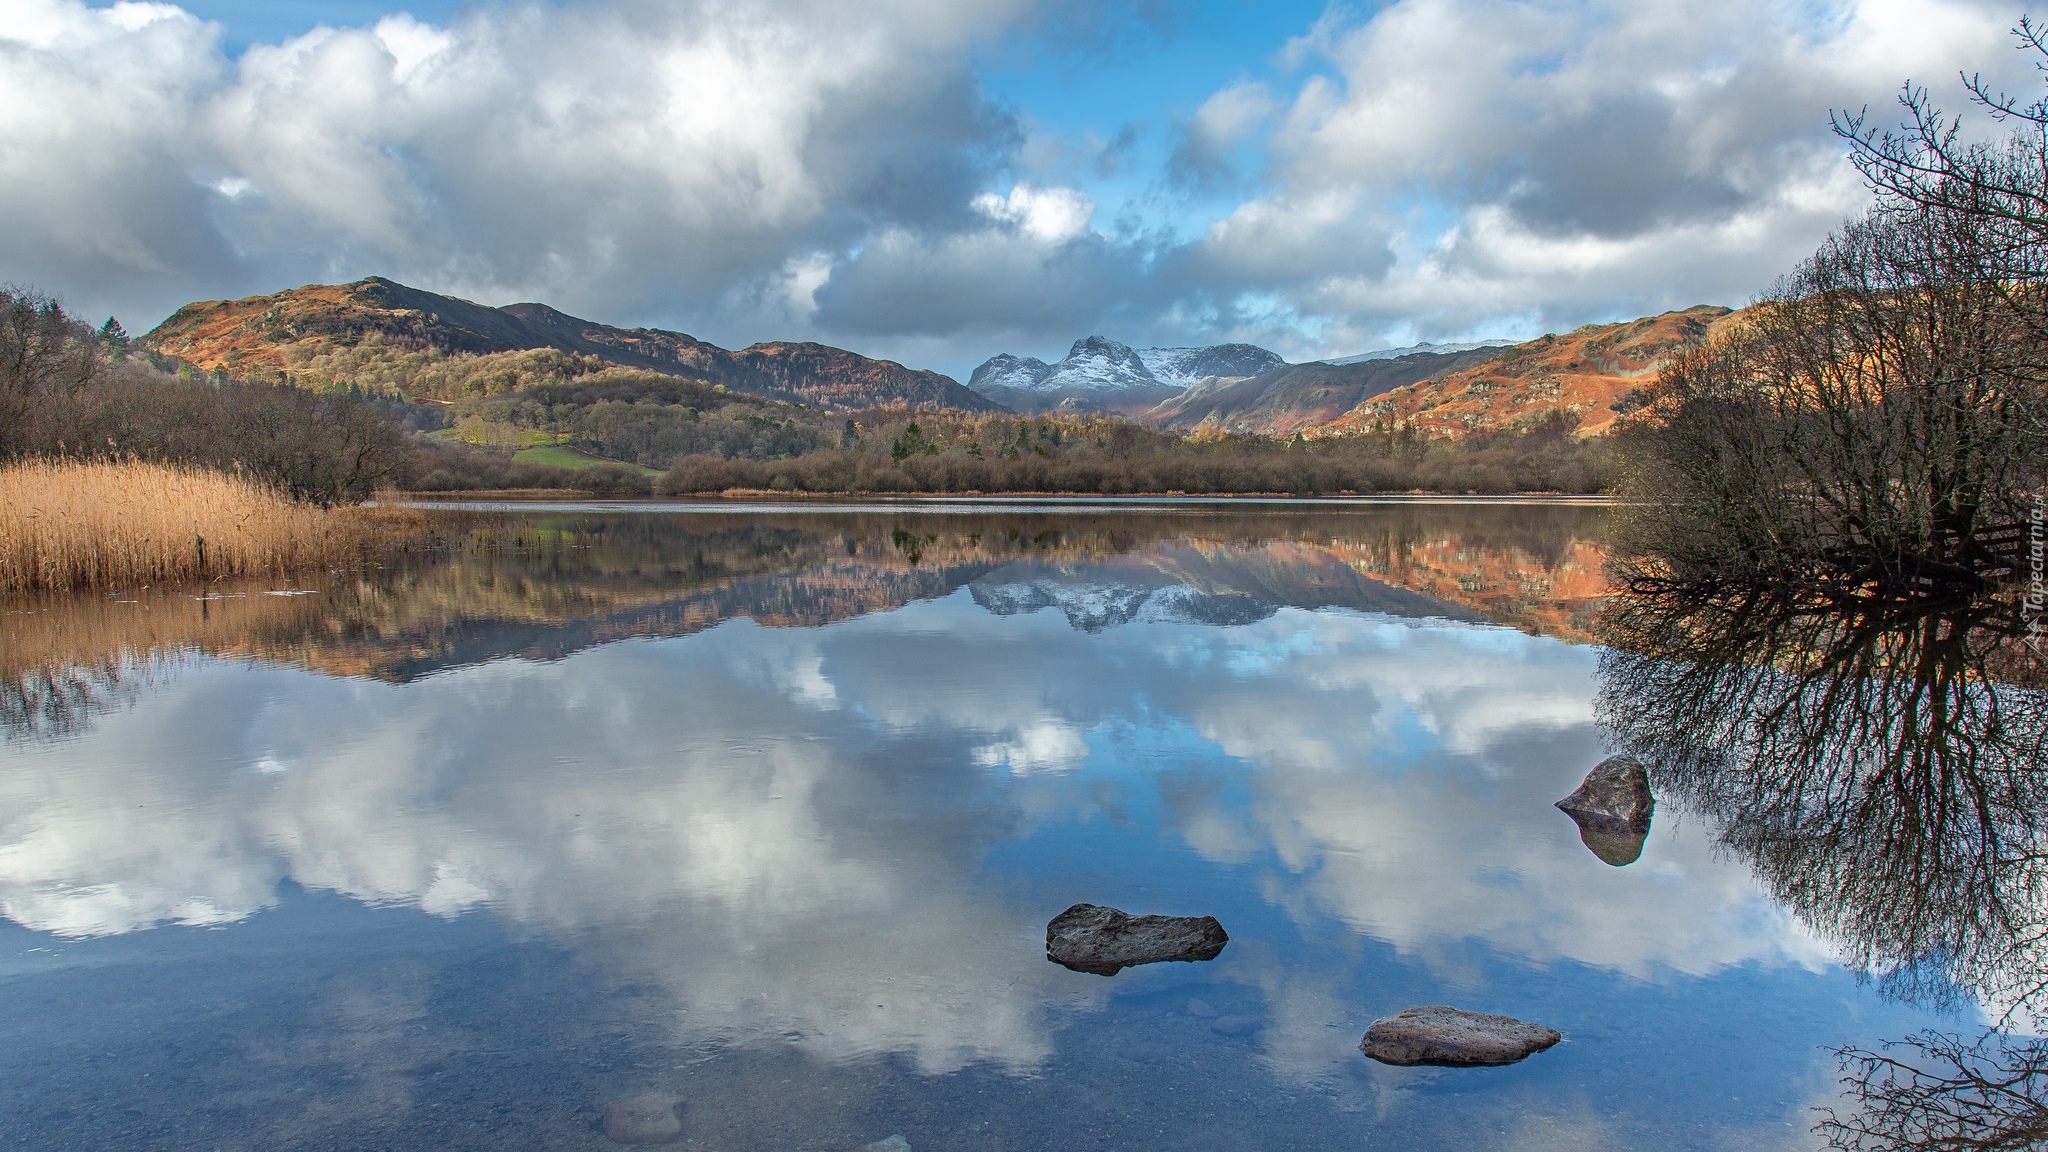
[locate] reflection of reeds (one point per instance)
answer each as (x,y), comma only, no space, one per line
(46,634)
(115,524)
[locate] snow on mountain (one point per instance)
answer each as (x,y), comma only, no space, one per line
(1007,371)
(1425,346)
(1098,364)
(1091,606)
(1189,366)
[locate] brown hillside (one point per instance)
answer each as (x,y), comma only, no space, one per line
(263,337)
(1299,397)
(1588,371)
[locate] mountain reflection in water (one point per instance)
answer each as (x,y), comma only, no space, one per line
(546,585)
(1884,775)
(768,814)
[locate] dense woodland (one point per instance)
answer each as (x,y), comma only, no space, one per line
(957,452)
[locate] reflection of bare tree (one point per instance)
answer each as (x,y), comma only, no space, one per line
(1885,775)
(55,701)
(1935,1092)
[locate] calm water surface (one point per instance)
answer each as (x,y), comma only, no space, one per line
(767,813)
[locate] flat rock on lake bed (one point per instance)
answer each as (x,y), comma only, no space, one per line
(1105,941)
(646,1119)
(1453,1038)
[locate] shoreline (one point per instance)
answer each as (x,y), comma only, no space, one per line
(750,501)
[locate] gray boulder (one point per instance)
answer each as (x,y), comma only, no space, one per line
(1612,808)
(646,1119)
(1105,941)
(1453,1038)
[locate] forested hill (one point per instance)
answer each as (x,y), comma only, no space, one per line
(379,328)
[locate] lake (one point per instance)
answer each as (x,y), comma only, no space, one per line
(763,812)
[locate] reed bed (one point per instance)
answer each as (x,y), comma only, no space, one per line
(74,524)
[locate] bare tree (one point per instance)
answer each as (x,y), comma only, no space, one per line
(1873,429)
(45,356)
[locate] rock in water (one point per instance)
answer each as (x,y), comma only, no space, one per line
(1612,808)
(1105,941)
(1453,1038)
(648,1119)
(894,1143)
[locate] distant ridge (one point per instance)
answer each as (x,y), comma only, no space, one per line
(1301,397)
(1594,373)
(260,335)
(1103,375)
(1425,346)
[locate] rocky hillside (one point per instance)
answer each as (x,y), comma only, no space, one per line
(1101,375)
(267,337)
(1595,372)
(1301,397)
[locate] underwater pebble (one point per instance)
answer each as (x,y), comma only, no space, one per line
(645,1119)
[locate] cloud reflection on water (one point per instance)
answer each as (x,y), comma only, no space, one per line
(786,831)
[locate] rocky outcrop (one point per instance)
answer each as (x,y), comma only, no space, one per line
(1454,1038)
(1612,808)
(645,1119)
(1105,941)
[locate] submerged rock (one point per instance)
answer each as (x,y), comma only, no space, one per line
(1612,808)
(1105,941)
(646,1119)
(1453,1038)
(894,1143)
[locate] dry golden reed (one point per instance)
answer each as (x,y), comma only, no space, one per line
(67,524)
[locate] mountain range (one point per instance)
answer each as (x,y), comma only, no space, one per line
(1425,346)
(261,336)
(1303,397)
(376,332)
(1595,372)
(1101,375)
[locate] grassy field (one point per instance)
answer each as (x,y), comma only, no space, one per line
(123,524)
(563,456)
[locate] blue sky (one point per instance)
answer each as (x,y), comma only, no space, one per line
(940,180)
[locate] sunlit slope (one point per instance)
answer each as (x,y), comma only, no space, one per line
(377,333)
(1593,372)
(1299,397)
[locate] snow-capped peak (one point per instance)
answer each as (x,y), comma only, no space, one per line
(1188,366)
(1098,364)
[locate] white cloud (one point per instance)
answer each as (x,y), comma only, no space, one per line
(1050,215)
(801,169)
(619,158)
(1548,162)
